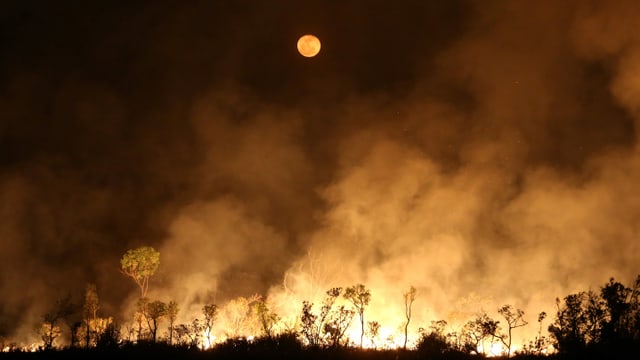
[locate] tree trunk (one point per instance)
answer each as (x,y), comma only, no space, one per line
(154,330)
(361,326)
(88,335)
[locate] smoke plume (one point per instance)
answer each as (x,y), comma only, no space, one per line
(484,152)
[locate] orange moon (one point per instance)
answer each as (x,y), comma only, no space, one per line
(308,46)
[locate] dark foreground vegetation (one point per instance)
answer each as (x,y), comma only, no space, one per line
(289,347)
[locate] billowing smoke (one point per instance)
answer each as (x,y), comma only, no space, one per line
(485,153)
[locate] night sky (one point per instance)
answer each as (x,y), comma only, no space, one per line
(485,147)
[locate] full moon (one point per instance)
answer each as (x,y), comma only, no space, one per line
(308,46)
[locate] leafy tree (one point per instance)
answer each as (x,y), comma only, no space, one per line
(268,319)
(190,334)
(312,325)
(359,296)
(140,264)
(90,311)
(337,324)
(477,330)
(110,337)
(541,341)
(514,320)
(140,316)
(609,321)
(438,327)
(373,330)
(633,316)
(434,343)
(325,311)
(97,328)
(578,322)
(308,320)
(596,316)
(539,344)
(155,311)
(491,328)
(239,316)
(210,312)
(172,314)
(49,330)
(77,333)
(620,303)
(409,298)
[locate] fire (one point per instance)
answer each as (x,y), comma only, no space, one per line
(389,318)
(384,322)
(495,349)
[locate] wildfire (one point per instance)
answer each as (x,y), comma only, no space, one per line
(356,316)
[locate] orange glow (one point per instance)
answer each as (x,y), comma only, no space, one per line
(308,45)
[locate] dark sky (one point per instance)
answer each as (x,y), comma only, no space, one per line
(461,139)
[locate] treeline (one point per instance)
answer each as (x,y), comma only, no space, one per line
(586,324)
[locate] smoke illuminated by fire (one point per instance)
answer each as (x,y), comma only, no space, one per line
(487,156)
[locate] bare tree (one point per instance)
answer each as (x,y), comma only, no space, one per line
(359,296)
(514,320)
(409,298)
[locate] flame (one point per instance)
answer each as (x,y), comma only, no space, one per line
(237,318)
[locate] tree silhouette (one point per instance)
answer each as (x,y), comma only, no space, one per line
(312,325)
(49,330)
(609,320)
(110,337)
(478,329)
(359,296)
(210,312)
(90,311)
(308,324)
(618,302)
(239,316)
(373,330)
(155,312)
(434,343)
(578,322)
(140,315)
(337,324)
(172,314)
(514,320)
(268,319)
(409,298)
(190,334)
(540,341)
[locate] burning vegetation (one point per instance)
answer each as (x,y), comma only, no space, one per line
(174,173)
(606,321)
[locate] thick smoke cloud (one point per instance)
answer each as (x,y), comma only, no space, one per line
(485,153)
